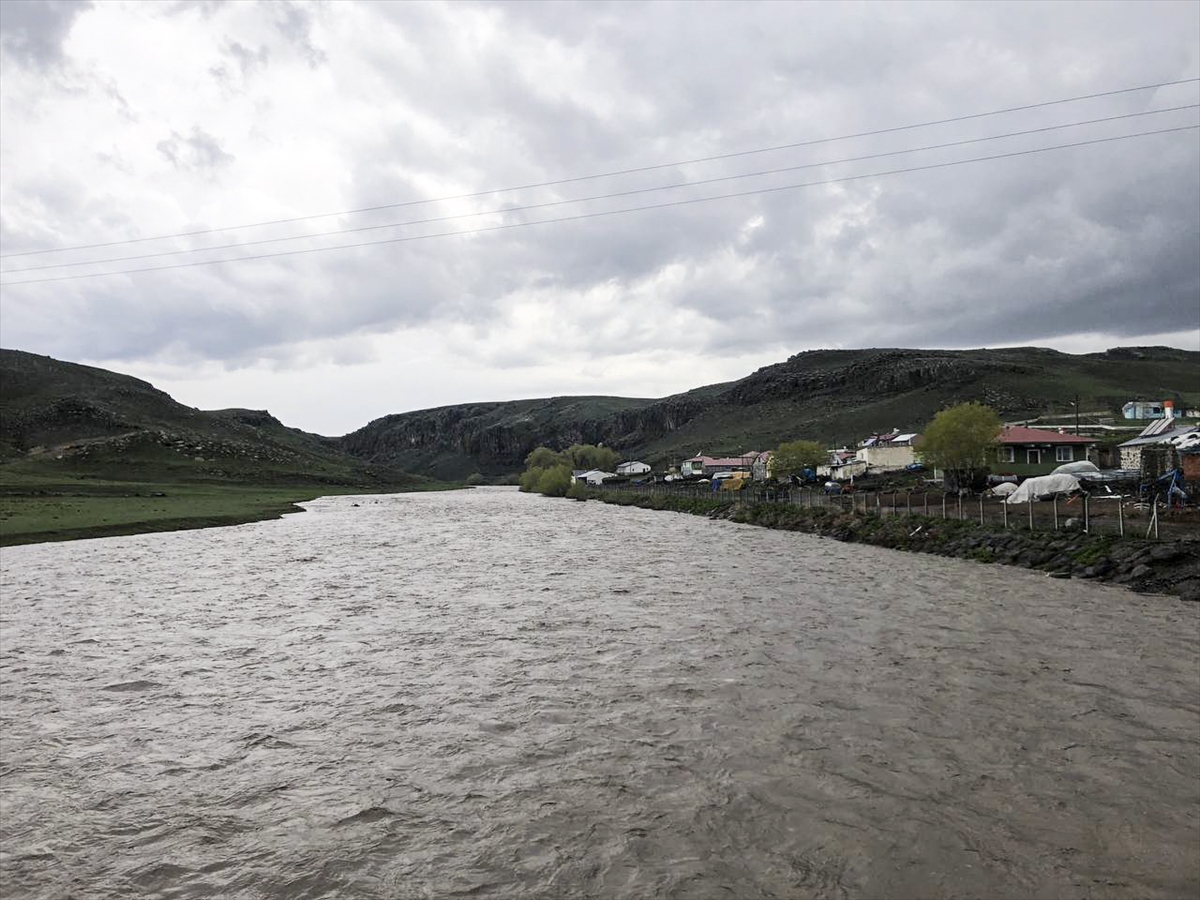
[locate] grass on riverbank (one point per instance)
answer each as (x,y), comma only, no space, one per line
(72,507)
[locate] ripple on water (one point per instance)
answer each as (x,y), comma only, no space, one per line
(490,694)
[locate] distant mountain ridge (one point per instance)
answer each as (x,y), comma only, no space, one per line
(834,396)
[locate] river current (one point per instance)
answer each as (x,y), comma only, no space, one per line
(492,694)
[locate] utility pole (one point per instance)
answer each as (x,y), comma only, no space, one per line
(1076,414)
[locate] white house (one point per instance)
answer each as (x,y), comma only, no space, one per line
(888,452)
(591,476)
(633,468)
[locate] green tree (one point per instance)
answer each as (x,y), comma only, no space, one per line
(549,473)
(543,458)
(958,441)
(793,457)
(591,456)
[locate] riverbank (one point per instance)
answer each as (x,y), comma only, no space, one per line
(75,509)
(1164,567)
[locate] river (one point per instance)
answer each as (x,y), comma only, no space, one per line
(492,694)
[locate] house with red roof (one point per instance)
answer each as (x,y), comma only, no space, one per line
(1038,451)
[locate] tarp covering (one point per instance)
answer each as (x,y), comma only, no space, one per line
(1044,486)
(1080,467)
(1004,489)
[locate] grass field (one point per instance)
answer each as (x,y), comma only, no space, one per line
(35,510)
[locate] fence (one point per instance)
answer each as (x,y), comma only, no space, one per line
(1106,514)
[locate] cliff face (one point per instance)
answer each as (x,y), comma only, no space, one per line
(828,395)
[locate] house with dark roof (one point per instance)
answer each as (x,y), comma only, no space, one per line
(1037,451)
(1161,435)
(710,465)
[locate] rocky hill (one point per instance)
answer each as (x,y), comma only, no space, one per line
(834,396)
(65,416)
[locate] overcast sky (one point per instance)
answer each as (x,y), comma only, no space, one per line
(505,269)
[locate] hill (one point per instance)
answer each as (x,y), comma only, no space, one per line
(85,452)
(64,417)
(833,396)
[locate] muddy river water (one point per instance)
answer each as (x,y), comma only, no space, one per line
(491,694)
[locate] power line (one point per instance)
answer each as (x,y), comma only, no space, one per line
(609,196)
(595,215)
(650,168)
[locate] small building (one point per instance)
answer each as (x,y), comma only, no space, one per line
(889,452)
(709,465)
(760,468)
(590,476)
(1133,452)
(1033,451)
(633,468)
(1149,409)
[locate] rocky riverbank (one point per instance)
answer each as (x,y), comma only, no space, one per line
(1164,567)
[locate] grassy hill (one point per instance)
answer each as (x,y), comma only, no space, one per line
(85,452)
(832,396)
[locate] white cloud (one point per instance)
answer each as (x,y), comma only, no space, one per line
(137,120)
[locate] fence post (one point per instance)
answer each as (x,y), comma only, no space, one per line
(1031,513)
(981,509)
(1056,512)
(908,501)
(1121,515)
(893,501)
(1004,509)
(960,515)
(927,504)
(943,506)
(1086,519)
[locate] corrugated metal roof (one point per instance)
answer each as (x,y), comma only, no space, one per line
(1144,440)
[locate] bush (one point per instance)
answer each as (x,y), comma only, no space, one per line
(475,478)
(553,482)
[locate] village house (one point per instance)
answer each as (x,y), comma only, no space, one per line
(844,465)
(760,468)
(1159,436)
(590,476)
(633,468)
(709,465)
(888,452)
(1033,451)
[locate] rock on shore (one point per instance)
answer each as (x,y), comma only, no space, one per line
(1164,567)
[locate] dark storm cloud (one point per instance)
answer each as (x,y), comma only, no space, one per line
(437,101)
(34,30)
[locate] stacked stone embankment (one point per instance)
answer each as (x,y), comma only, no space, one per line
(1166,567)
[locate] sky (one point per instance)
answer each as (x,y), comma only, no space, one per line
(342,210)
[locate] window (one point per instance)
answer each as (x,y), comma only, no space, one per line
(1064,454)
(1007,454)
(1033,456)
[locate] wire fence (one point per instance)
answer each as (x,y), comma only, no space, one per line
(1125,516)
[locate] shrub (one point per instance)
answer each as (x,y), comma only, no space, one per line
(553,482)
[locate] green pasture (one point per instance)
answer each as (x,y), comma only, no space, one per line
(35,510)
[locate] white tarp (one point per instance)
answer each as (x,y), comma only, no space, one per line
(1043,486)
(1080,467)
(1004,489)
